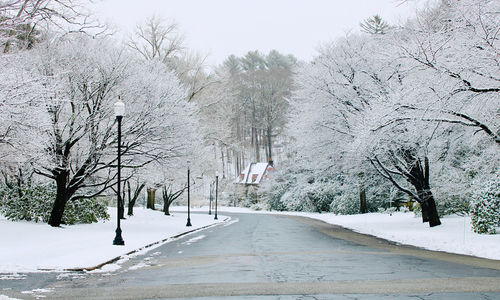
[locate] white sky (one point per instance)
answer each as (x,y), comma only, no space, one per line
(223,27)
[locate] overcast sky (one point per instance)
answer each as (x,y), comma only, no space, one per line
(223,27)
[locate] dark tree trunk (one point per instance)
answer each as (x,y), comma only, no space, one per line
(425,211)
(151,199)
(429,209)
(133,199)
(419,178)
(62,197)
(169,197)
(166,204)
(166,208)
(362,200)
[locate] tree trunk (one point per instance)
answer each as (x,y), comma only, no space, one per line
(151,198)
(424,206)
(166,207)
(362,200)
(130,210)
(420,180)
(223,163)
(429,209)
(269,131)
(62,198)
(131,201)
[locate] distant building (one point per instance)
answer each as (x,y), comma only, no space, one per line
(254,173)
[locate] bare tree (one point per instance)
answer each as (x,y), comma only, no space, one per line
(169,196)
(157,39)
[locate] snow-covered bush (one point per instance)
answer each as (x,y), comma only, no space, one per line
(312,197)
(485,207)
(250,198)
(34,203)
(27,203)
(84,211)
(452,205)
(274,198)
(346,203)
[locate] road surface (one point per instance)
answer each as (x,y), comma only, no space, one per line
(274,257)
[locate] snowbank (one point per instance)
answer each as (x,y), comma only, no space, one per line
(30,247)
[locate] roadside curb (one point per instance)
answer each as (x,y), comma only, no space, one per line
(139,249)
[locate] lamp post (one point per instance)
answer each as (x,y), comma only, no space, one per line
(119,112)
(216,192)
(210,200)
(189,209)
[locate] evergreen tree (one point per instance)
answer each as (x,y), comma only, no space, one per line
(374,25)
(485,207)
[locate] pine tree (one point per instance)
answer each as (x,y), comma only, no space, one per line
(485,207)
(374,25)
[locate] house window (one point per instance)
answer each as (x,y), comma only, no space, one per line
(254,177)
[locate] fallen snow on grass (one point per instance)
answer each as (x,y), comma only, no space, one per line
(454,235)
(30,247)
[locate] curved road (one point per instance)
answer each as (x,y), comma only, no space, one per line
(275,257)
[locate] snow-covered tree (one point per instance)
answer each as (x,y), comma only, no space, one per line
(408,102)
(79,80)
(21,21)
(485,206)
(374,25)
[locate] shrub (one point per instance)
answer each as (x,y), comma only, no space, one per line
(34,203)
(485,207)
(346,203)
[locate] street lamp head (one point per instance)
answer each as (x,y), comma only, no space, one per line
(119,108)
(216,173)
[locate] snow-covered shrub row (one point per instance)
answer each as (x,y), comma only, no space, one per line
(308,196)
(298,190)
(485,206)
(34,203)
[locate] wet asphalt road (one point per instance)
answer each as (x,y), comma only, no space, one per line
(273,257)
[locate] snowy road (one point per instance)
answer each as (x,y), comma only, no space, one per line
(268,255)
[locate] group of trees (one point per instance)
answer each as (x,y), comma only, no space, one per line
(57,95)
(394,112)
(245,109)
(414,106)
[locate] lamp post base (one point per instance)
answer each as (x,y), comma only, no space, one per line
(216,218)
(118,238)
(189,222)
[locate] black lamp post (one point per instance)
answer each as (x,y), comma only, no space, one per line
(216,192)
(119,112)
(210,200)
(189,208)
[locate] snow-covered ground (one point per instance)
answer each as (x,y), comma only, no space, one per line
(30,247)
(454,235)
